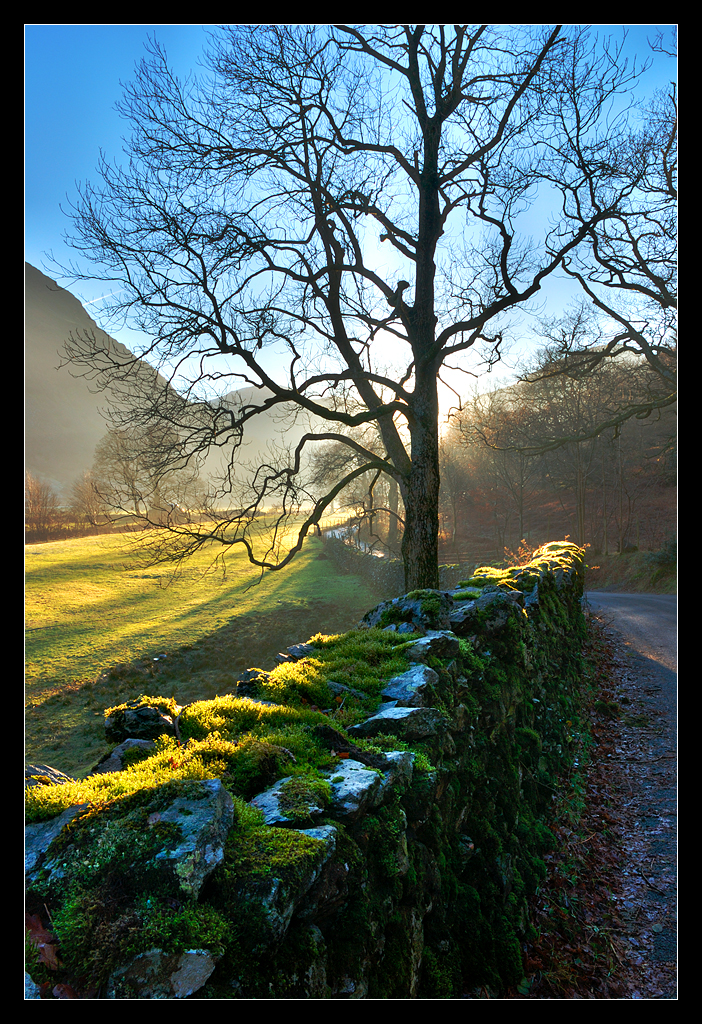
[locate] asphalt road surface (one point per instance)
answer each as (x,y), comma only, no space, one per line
(647,626)
(648,621)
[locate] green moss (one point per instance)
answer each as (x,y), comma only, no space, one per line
(488,576)
(529,745)
(231,717)
(394,615)
(558,557)
(168,705)
(262,851)
(467,837)
(109,896)
(361,660)
(169,763)
(386,840)
(99,931)
(297,792)
(430,602)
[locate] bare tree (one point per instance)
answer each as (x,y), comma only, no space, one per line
(86,501)
(330,216)
(134,472)
(373,498)
(502,424)
(558,435)
(456,482)
(628,267)
(42,507)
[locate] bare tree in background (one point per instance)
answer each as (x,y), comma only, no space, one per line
(456,483)
(42,507)
(87,504)
(331,216)
(558,436)
(134,472)
(627,269)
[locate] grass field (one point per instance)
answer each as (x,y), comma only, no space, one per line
(100,629)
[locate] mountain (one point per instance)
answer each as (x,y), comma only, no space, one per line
(63,422)
(63,416)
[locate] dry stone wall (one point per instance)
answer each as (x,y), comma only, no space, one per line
(389,857)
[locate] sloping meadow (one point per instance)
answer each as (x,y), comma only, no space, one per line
(366,820)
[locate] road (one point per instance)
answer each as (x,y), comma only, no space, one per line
(648,621)
(647,628)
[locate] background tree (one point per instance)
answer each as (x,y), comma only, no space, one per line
(87,504)
(627,268)
(134,472)
(42,508)
(331,216)
(456,483)
(501,424)
(372,498)
(540,458)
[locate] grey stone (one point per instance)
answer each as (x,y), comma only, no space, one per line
(298,651)
(341,690)
(419,611)
(408,723)
(489,614)
(315,980)
(435,644)
(113,762)
(353,788)
(159,975)
(270,801)
(397,777)
(279,900)
(44,775)
(31,989)
(38,837)
(204,824)
(410,688)
(142,722)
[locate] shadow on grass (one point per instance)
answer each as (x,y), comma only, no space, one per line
(65,724)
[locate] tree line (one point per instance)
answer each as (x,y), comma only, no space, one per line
(535,461)
(524,463)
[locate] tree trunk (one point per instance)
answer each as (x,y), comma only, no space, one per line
(604,506)
(420,542)
(393,495)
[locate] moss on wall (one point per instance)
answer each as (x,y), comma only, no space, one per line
(424,894)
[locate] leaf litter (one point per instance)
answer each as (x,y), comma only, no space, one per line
(606,917)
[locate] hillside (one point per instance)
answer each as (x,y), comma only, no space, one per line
(64,414)
(63,422)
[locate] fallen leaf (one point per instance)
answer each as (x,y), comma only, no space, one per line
(65,992)
(43,940)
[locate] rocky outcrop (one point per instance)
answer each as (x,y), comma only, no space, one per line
(388,858)
(203,817)
(115,761)
(43,774)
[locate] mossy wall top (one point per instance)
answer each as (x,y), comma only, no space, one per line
(390,793)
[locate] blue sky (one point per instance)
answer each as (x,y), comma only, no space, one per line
(72,83)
